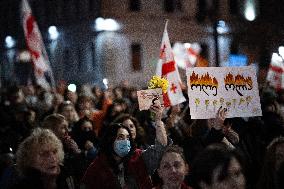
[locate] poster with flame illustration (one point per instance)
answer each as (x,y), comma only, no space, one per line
(235,88)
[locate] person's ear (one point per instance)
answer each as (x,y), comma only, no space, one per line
(187,169)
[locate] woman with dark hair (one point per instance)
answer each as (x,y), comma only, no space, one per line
(85,137)
(273,158)
(120,164)
(137,132)
(84,106)
(218,167)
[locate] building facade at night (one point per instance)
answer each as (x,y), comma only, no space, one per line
(127,46)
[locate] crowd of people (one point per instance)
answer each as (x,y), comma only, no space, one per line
(97,138)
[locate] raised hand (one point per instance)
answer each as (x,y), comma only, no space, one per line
(158,109)
(220,117)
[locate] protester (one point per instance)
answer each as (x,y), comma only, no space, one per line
(137,132)
(218,167)
(39,161)
(59,125)
(120,164)
(99,115)
(273,158)
(85,137)
(74,159)
(173,169)
(67,109)
(84,106)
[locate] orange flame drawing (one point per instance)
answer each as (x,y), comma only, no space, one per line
(238,80)
(203,80)
(229,79)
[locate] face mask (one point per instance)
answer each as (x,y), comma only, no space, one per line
(122,147)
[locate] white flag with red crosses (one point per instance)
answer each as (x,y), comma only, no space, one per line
(36,47)
(167,68)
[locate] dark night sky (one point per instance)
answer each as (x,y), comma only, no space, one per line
(270,12)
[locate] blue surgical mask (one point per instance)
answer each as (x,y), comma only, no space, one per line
(122,147)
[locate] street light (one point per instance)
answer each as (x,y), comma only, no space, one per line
(10,42)
(106,24)
(250,10)
(53,33)
(72,87)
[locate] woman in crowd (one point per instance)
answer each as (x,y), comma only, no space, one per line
(120,164)
(85,137)
(59,125)
(39,161)
(67,109)
(218,167)
(74,159)
(84,106)
(273,158)
(137,132)
(173,169)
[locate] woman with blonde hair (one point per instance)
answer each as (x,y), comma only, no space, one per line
(39,162)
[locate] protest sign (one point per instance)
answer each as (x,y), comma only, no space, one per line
(234,88)
(148,97)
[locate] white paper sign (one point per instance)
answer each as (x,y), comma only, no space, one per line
(234,88)
(146,98)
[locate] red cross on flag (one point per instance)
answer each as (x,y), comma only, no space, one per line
(167,68)
(36,47)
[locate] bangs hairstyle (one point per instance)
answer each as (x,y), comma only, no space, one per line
(52,121)
(30,147)
(110,136)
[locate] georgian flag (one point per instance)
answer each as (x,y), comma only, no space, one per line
(275,74)
(167,68)
(36,47)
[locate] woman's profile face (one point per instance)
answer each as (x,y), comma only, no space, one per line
(172,169)
(130,125)
(46,160)
(235,178)
(61,131)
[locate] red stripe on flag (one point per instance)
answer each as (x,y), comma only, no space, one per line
(276,69)
(166,99)
(168,67)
